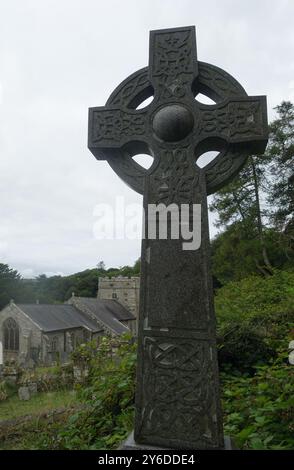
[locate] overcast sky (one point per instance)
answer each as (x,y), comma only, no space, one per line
(59,57)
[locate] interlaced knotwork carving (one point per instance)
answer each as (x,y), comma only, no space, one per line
(177,390)
(115,125)
(172,63)
(217,83)
(233,121)
(126,93)
(174,179)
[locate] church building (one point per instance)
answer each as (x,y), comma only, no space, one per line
(46,333)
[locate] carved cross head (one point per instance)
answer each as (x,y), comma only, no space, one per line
(175,123)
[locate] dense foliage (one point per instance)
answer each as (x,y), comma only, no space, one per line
(254,316)
(259,410)
(108,414)
(9,284)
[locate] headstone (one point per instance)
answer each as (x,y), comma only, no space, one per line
(80,373)
(177,396)
(33,388)
(30,364)
(24,393)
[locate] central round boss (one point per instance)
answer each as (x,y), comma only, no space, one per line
(173,122)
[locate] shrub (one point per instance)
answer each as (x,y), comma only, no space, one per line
(242,347)
(254,316)
(49,378)
(108,413)
(259,410)
(7,389)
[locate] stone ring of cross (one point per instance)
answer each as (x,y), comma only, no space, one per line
(235,126)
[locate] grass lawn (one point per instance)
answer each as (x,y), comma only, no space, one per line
(40,403)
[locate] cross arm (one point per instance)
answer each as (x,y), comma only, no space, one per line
(112,128)
(173,62)
(237,121)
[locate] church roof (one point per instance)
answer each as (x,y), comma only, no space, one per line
(54,317)
(108,312)
(87,312)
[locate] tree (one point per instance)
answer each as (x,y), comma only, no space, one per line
(260,202)
(236,256)
(101,266)
(9,284)
(239,204)
(137,267)
(280,152)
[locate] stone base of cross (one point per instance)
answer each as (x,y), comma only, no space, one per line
(131,444)
(177,396)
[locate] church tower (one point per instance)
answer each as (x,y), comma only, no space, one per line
(124,290)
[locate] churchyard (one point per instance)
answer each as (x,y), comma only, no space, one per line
(42,402)
(255,375)
(192,347)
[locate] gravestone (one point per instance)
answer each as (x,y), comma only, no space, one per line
(33,388)
(24,393)
(177,395)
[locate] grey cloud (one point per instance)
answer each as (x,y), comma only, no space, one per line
(59,58)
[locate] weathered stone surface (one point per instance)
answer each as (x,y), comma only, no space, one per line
(24,393)
(33,388)
(124,289)
(80,374)
(177,399)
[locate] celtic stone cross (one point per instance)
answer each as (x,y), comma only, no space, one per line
(177,397)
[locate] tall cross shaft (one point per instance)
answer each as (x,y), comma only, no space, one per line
(177,397)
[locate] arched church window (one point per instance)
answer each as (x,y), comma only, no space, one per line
(11,335)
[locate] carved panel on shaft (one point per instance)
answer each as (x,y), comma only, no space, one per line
(179,391)
(176,177)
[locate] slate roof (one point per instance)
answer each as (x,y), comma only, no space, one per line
(51,317)
(56,317)
(108,312)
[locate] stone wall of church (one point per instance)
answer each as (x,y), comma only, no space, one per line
(29,335)
(57,346)
(38,347)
